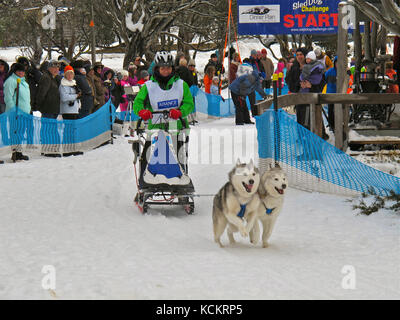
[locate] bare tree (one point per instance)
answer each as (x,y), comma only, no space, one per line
(140,23)
(387,14)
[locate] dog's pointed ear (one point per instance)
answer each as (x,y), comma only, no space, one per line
(238,163)
(251,163)
(277,165)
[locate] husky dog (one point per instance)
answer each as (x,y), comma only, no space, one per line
(271,192)
(237,202)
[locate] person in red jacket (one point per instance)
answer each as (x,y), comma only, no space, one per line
(392,74)
(210,73)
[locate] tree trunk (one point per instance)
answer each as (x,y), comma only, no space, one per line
(133,49)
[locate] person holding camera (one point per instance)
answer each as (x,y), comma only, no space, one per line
(69,95)
(69,103)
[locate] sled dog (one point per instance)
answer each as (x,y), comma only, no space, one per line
(237,202)
(271,192)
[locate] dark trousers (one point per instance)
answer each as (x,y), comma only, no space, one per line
(70,116)
(252,99)
(267,84)
(331,116)
(241,112)
(303,115)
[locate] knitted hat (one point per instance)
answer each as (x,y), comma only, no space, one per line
(191,63)
(215,78)
(53,63)
(263,51)
(125,73)
(311,55)
(253,52)
(68,69)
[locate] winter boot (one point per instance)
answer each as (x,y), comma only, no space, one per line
(20,156)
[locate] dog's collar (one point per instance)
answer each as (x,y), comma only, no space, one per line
(242,211)
(268,211)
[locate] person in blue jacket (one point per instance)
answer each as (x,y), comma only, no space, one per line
(240,89)
(24,100)
(330,77)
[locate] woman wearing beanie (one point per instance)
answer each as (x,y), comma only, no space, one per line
(69,95)
(24,100)
(69,104)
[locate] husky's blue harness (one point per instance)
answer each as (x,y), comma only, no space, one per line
(269,211)
(242,211)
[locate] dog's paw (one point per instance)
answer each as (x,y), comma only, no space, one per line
(253,241)
(244,232)
(265,245)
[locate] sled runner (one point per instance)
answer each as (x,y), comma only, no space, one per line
(163,169)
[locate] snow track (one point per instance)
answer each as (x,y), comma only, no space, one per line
(77,214)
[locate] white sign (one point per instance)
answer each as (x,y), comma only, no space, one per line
(260,14)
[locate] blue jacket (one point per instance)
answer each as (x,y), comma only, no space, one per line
(247,84)
(10,94)
(330,77)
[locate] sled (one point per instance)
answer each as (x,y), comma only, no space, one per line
(163,175)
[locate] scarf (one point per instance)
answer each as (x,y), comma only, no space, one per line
(68,83)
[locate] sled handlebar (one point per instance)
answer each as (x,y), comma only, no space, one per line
(165,114)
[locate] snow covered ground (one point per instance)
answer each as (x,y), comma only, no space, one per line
(77,214)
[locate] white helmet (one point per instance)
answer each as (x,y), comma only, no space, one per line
(164,59)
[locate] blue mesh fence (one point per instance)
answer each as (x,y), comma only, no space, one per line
(216,106)
(212,105)
(24,130)
(127,116)
(314,164)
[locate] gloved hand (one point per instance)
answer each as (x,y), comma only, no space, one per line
(145,114)
(175,114)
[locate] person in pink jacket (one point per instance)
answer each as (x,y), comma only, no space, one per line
(280,68)
(133,79)
(124,83)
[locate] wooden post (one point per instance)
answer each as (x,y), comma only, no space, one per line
(312,118)
(92,25)
(341,73)
(357,49)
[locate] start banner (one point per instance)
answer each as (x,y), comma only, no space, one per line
(266,17)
